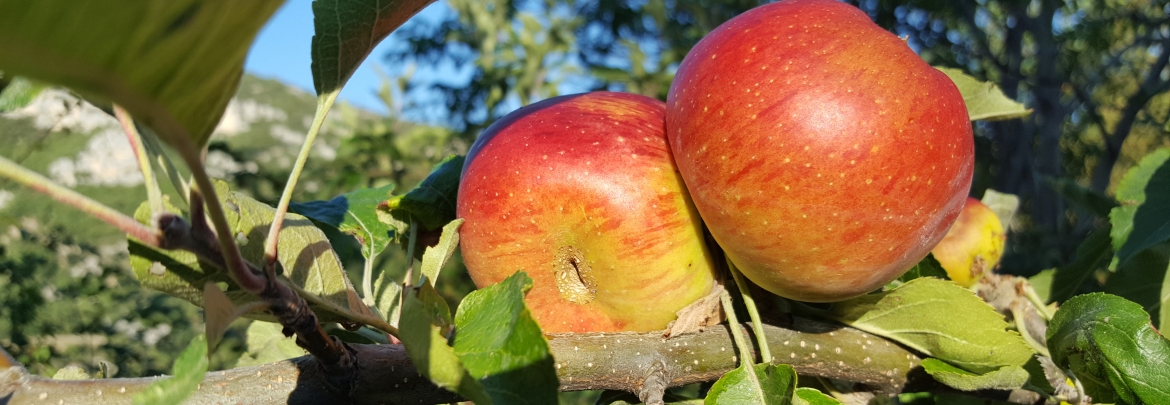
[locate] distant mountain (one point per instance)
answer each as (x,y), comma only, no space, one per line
(80,146)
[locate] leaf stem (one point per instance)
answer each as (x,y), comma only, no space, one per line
(741,343)
(753,311)
(270,245)
(153,193)
(368,278)
(409,280)
(150,141)
(67,196)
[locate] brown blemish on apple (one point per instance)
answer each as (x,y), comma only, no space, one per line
(574,276)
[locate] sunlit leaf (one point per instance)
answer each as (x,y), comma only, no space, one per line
(763,384)
(345,31)
(942,320)
(174,64)
(310,265)
(984,100)
(353,213)
(437,256)
(501,344)
(432,202)
(812,396)
(423,327)
(1006,378)
(266,343)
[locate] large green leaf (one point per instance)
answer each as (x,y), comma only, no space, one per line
(1111,348)
(353,213)
(984,100)
(424,324)
(310,265)
(501,344)
(1143,219)
(812,396)
(942,320)
(761,384)
(345,31)
(187,373)
(174,64)
(1006,378)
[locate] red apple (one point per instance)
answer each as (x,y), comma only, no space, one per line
(581,192)
(973,245)
(824,155)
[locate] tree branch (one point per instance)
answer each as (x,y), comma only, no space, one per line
(616,361)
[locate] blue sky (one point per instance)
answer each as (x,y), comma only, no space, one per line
(281,51)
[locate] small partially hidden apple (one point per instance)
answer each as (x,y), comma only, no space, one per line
(824,155)
(581,192)
(973,245)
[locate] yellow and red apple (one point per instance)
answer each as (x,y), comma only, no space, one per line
(973,245)
(581,192)
(824,155)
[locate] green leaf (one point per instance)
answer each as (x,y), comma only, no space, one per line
(1143,219)
(437,256)
(1111,348)
(187,373)
(18,93)
(1082,197)
(941,319)
(1164,300)
(424,324)
(1094,253)
(173,64)
(353,213)
(432,202)
(267,343)
(1006,378)
(984,100)
(501,344)
(927,267)
(310,265)
(1140,279)
(754,384)
(388,299)
(345,31)
(812,396)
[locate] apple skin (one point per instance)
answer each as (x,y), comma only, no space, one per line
(973,245)
(825,156)
(585,182)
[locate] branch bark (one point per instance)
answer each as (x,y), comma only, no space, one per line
(617,361)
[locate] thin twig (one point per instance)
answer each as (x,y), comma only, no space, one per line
(271,244)
(67,196)
(153,193)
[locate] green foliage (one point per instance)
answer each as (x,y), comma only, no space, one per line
(424,324)
(304,252)
(353,213)
(1143,219)
(501,344)
(983,99)
(185,377)
(921,314)
(435,257)
(266,343)
(18,92)
(1006,378)
(754,384)
(173,64)
(927,267)
(1110,346)
(432,202)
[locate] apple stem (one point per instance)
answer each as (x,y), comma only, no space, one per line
(741,343)
(753,312)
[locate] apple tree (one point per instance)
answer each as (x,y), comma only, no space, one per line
(166,70)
